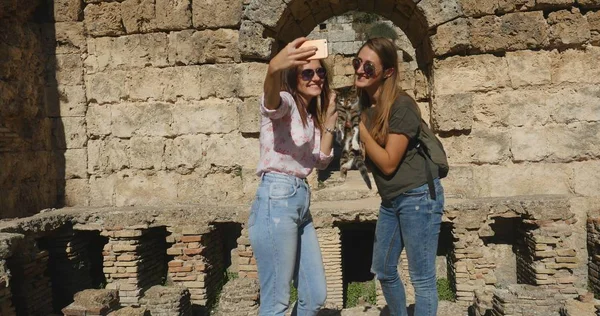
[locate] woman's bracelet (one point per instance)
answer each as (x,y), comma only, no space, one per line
(332,131)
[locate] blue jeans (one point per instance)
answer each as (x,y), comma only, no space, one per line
(286,247)
(412,221)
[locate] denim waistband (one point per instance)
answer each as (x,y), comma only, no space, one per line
(276,176)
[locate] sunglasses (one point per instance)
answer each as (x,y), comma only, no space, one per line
(368,67)
(308,74)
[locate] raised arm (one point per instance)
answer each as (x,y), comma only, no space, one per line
(289,56)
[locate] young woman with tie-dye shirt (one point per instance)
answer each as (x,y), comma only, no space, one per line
(297,120)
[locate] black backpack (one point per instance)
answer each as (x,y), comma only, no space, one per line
(430,147)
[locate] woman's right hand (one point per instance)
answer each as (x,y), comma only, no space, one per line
(291,56)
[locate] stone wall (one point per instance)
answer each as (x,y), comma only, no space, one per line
(156,102)
(30,158)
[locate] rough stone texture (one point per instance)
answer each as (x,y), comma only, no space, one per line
(527,68)
(568,28)
(28,97)
(593,19)
(189,47)
(474,73)
(93,302)
(239,297)
(103,19)
(67,10)
(451,37)
(438,12)
(514,31)
(453,112)
(164,300)
(213,13)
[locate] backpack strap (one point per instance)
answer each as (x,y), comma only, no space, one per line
(427,167)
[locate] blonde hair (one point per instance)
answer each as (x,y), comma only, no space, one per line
(390,89)
(317,106)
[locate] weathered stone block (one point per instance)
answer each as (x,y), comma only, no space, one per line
(452,112)
(438,12)
(75,163)
(554,3)
(67,10)
(249,115)
(103,19)
(459,74)
(593,19)
(217,13)
(69,132)
(207,116)
(77,192)
(144,119)
(146,152)
(102,190)
(514,31)
(480,147)
(67,37)
(529,68)
(222,81)
(536,107)
(451,37)
(586,182)
(198,47)
(212,188)
(477,8)
(267,12)
(68,70)
(460,183)
(589,3)
(577,66)
(131,51)
(106,87)
(138,16)
(525,179)
(98,119)
(568,28)
(232,150)
(252,44)
(173,14)
(62,101)
(251,78)
(107,156)
(185,153)
(157,189)
(555,143)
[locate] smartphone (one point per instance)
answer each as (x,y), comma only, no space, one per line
(321,45)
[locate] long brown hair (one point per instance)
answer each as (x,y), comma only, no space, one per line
(390,90)
(317,106)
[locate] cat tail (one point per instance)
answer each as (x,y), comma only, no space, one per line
(360,164)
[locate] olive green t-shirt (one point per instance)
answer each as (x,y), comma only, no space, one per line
(411,172)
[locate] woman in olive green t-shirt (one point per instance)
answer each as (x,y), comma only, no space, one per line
(408,216)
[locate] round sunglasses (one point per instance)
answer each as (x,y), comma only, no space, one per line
(308,74)
(368,66)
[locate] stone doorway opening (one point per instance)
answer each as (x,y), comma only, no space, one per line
(75,263)
(502,246)
(357,251)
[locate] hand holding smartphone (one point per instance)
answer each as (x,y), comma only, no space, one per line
(321,45)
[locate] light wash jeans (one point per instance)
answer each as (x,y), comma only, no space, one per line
(410,221)
(285,246)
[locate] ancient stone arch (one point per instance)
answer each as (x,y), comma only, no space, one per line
(266,24)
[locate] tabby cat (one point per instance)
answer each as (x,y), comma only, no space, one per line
(347,133)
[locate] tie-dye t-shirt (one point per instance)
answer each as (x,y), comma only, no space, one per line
(286,145)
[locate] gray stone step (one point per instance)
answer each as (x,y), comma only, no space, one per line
(336,189)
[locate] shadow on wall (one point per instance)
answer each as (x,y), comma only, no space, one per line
(32,164)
